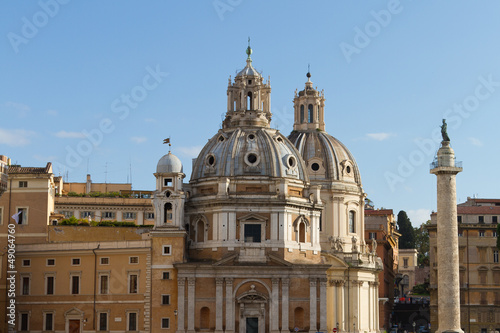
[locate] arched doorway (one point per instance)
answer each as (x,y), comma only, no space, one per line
(252,312)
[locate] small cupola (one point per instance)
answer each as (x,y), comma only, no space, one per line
(309,108)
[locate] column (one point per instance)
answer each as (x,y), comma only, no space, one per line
(180,304)
(312,305)
(340,304)
(376,318)
(284,305)
(322,305)
(274,320)
(219,282)
(191,300)
(229,306)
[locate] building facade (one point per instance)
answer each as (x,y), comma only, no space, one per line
(381,233)
(479,265)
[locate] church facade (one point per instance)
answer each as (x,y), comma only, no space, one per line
(274,224)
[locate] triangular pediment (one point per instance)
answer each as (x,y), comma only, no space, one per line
(74,312)
(252,217)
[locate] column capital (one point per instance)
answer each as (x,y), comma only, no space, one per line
(181,282)
(219,281)
(358,283)
(191,281)
(275,281)
(285,282)
(229,281)
(313,282)
(323,282)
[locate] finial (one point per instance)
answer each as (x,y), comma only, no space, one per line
(249,50)
(308,73)
(165,141)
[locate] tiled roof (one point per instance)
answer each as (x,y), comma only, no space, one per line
(17,169)
(378,212)
(486,210)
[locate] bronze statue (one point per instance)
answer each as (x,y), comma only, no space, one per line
(443,131)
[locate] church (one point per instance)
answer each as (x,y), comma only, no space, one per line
(274,224)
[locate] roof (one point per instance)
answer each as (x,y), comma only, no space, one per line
(476,210)
(17,169)
(378,212)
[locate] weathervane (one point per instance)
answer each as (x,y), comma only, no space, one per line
(167,140)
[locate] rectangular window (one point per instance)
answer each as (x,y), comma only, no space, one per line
(167,250)
(51,262)
(22,216)
(150,216)
(373,235)
(405,262)
(108,215)
(252,233)
(459,219)
(1,215)
(132,278)
(104,284)
(49,322)
(24,322)
(75,284)
(67,213)
(165,322)
(86,214)
(75,261)
(25,285)
(166,275)
(129,216)
(132,321)
(26,262)
(460,233)
(105,261)
(165,299)
(23,184)
(494,219)
(103,321)
(495,256)
(481,233)
(482,277)
(481,219)
(167,182)
(133,260)
(49,289)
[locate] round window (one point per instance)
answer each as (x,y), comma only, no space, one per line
(291,161)
(348,169)
(211,160)
(252,158)
(251,136)
(315,166)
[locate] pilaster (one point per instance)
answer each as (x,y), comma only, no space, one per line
(313,305)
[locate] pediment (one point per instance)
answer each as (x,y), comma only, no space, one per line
(74,312)
(253,217)
(333,260)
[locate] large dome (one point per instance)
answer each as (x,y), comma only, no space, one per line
(326,157)
(169,164)
(249,152)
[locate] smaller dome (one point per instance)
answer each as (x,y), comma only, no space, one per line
(249,70)
(169,164)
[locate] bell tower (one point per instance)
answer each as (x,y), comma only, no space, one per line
(309,108)
(248,98)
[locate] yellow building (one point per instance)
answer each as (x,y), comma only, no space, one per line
(479,265)
(407,266)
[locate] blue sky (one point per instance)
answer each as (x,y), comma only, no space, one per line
(97,85)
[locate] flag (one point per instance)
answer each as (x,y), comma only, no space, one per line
(16,216)
(166,140)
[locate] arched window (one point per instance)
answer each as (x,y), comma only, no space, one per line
(298,318)
(249,101)
(234,105)
(317,114)
(352,221)
(200,231)
(302,232)
(168,213)
(301,114)
(204,318)
(310,113)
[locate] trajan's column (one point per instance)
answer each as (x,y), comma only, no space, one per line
(446,169)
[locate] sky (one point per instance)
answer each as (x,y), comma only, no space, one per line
(95,86)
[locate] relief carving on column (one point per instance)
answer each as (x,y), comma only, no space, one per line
(191,281)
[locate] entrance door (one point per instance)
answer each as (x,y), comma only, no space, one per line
(252,325)
(74,326)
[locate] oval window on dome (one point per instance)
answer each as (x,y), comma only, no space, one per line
(315,166)
(291,161)
(210,160)
(252,158)
(251,137)
(348,169)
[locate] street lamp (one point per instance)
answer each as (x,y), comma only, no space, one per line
(414,327)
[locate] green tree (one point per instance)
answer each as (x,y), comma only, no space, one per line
(422,243)
(407,239)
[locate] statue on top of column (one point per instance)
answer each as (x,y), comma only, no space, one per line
(444,131)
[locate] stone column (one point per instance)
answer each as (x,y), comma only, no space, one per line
(181,282)
(340,286)
(447,240)
(312,305)
(229,306)
(274,320)
(284,305)
(219,282)
(191,307)
(322,306)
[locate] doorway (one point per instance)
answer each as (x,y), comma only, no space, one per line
(74,326)
(252,325)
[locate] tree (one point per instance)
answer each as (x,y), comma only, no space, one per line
(422,243)
(407,239)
